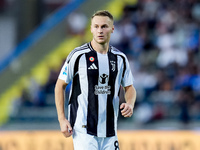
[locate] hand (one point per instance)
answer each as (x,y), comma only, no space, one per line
(66,128)
(126,109)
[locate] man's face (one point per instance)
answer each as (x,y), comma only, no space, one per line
(101,28)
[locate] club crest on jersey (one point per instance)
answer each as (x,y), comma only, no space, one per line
(91,59)
(113,65)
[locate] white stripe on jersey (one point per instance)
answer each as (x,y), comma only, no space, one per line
(102,98)
(82,99)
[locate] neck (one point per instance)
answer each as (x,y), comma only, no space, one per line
(100,48)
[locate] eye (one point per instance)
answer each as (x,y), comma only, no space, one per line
(105,26)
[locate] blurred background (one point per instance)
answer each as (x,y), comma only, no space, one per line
(160,37)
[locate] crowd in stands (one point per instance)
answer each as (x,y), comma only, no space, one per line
(162,41)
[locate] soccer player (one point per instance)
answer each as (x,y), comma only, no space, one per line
(97,70)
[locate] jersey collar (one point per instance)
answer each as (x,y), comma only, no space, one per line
(91,48)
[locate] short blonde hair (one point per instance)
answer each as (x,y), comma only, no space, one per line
(103,13)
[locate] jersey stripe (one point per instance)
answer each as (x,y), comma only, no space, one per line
(76,91)
(124,63)
(110,122)
(92,116)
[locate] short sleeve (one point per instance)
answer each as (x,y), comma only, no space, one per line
(127,79)
(66,72)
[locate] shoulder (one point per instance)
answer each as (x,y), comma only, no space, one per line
(116,51)
(75,53)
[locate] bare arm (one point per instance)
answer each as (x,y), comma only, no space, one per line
(130,97)
(65,126)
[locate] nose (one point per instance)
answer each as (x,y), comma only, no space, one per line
(100,30)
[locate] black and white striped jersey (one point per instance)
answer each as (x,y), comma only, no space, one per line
(96,80)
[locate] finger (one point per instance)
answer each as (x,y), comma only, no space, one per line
(126,109)
(128,115)
(122,106)
(126,112)
(70,132)
(69,127)
(67,133)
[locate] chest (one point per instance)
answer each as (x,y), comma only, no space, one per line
(103,66)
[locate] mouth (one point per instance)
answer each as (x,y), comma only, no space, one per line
(100,37)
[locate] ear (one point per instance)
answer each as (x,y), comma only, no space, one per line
(113,28)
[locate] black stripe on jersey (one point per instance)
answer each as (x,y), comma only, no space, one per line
(124,62)
(113,69)
(83,47)
(76,91)
(110,48)
(93,75)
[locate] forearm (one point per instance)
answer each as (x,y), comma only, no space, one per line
(65,126)
(60,99)
(130,95)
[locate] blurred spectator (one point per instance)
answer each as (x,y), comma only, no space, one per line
(185,101)
(33,95)
(77,23)
(163,38)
